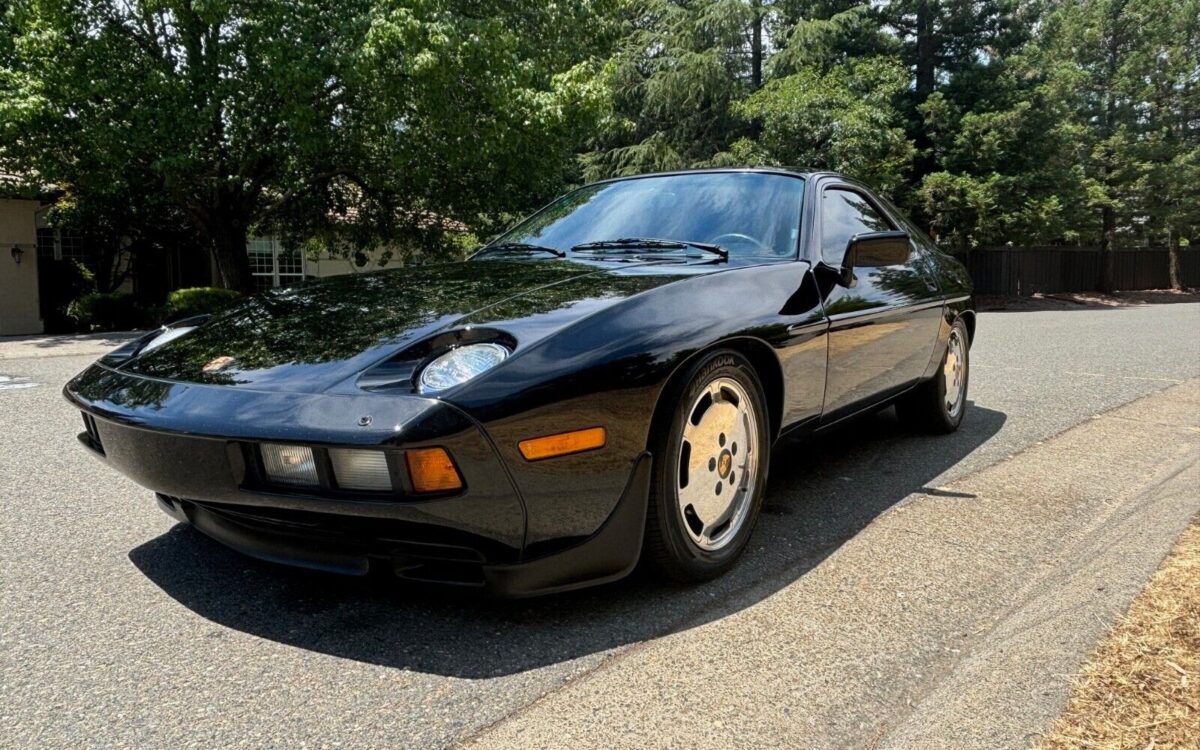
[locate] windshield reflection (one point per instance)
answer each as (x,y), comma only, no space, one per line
(749,214)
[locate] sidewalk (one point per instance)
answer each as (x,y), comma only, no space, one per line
(76,344)
(954,620)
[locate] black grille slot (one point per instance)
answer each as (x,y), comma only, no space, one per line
(376,537)
(91,433)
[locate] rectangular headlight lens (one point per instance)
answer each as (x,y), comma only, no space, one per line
(290,464)
(360,469)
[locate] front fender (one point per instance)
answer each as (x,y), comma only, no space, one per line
(609,369)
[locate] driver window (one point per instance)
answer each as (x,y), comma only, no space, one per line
(844,214)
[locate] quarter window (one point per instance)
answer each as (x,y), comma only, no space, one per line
(844,214)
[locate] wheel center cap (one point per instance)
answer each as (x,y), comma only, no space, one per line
(724,464)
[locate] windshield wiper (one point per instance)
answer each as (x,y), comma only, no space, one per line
(642,244)
(519,247)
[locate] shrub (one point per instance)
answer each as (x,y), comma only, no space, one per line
(184,303)
(68,281)
(109,311)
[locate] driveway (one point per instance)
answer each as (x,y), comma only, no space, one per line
(897,584)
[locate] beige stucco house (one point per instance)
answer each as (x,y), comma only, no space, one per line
(19,300)
(273,264)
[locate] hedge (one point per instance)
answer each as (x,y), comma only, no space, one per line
(110,311)
(184,303)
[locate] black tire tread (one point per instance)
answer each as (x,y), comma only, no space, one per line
(922,408)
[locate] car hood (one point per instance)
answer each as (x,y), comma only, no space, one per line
(317,335)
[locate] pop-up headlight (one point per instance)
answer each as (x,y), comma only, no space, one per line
(460,365)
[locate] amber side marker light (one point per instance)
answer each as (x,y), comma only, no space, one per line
(431,470)
(562,444)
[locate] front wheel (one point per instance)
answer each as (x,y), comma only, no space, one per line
(710,470)
(938,404)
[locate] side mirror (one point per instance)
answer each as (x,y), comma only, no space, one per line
(874,249)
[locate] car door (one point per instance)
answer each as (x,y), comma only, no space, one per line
(882,326)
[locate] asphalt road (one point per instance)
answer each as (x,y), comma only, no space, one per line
(119,629)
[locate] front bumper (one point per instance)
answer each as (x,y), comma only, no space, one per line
(344,545)
(188,443)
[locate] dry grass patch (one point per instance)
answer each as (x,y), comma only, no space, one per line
(1141,688)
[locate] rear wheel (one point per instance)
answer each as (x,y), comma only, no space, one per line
(938,404)
(710,470)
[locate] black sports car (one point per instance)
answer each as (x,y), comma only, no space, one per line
(602,382)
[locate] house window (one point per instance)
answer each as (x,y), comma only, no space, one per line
(62,244)
(272,264)
(45,244)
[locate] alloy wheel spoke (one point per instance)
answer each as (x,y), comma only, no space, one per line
(953,372)
(719,434)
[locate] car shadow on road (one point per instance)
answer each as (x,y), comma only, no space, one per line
(823,490)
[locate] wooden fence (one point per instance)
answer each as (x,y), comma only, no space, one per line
(1022,271)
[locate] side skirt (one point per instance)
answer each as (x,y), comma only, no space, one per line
(814,425)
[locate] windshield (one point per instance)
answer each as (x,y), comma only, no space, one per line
(746,213)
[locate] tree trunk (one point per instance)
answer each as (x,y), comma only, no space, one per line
(756,45)
(1108,270)
(926,67)
(113,264)
(1173,270)
(224,224)
(926,78)
(228,246)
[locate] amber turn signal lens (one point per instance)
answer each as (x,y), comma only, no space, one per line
(431,470)
(562,444)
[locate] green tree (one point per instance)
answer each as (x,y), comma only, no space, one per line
(1165,76)
(1009,170)
(1129,69)
(680,68)
(698,83)
(954,47)
(236,114)
(840,119)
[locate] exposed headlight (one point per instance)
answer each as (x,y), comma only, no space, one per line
(460,365)
(168,334)
(290,464)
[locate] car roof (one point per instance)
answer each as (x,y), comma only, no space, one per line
(801,172)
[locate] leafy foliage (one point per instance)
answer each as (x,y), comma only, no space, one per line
(109,311)
(186,303)
(416,123)
(225,116)
(839,120)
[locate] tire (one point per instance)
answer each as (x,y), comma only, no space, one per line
(938,404)
(710,470)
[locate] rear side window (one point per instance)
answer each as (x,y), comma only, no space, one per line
(844,214)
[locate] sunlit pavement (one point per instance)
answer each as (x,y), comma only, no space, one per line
(893,584)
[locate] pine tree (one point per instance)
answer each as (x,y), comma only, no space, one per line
(1129,70)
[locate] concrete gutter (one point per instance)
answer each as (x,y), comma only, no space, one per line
(956,619)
